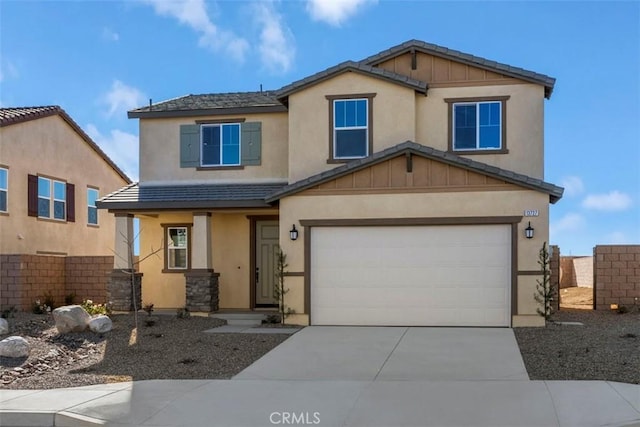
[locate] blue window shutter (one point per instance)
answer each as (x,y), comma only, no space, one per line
(251,140)
(189,146)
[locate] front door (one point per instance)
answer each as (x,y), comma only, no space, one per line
(266,260)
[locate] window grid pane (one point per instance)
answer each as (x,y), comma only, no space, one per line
(177,248)
(3,201)
(221,145)
(43,207)
(350,128)
(44,187)
(477,126)
(3,178)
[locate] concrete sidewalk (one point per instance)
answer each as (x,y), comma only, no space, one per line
(328,403)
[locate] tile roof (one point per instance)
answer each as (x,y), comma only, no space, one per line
(432,49)
(213,103)
(555,192)
(14,115)
(189,196)
(355,67)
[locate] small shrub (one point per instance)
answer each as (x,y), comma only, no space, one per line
(183,313)
(148,308)
(149,322)
(40,307)
(272,318)
(49,301)
(94,309)
(622,309)
(9,313)
(69,299)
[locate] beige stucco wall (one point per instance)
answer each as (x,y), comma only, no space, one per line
(393,119)
(230,253)
(525,124)
(160,151)
(427,205)
(50,147)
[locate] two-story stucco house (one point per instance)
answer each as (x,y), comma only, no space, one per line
(397,186)
(51,175)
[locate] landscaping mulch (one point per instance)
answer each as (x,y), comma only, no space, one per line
(169,349)
(606,347)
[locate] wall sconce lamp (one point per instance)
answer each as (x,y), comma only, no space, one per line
(293,233)
(528,232)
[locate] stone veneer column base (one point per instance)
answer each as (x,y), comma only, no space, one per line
(202,290)
(119,292)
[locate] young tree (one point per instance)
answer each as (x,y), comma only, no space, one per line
(279,290)
(545,293)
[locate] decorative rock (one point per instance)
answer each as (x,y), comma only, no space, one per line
(14,347)
(100,324)
(71,318)
(4,326)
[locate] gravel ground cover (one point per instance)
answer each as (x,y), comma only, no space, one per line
(607,347)
(170,349)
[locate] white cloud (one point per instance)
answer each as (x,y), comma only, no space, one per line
(122,98)
(569,222)
(120,146)
(109,35)
(612,201)
(573,185)
(277,46)
(335,12)
(193,13)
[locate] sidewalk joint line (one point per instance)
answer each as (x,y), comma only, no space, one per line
(390,353)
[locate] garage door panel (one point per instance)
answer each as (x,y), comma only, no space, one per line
(417,275)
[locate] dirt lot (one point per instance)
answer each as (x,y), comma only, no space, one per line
(170,349)
(580,298)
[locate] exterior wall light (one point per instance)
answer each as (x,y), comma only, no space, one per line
(528,232)
(293,233)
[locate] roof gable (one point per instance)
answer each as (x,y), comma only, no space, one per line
(383,58)
(12,116)
(351,66)
(430,176)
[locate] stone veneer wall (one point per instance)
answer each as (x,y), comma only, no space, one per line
(26,278)
(616,275)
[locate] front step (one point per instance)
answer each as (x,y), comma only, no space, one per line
(244,319)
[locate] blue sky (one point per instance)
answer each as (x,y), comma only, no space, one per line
(99,59)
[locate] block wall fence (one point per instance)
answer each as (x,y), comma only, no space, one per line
(616,275)
(26,278)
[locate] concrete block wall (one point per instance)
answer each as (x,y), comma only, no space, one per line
(576,271)
(616,275)
(27,278)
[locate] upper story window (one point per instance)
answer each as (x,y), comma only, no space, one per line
(92,210)
(52,199)
(477,125)
(4,189)
(351,127)
(220,144)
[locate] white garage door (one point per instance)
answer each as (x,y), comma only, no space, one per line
(414,275)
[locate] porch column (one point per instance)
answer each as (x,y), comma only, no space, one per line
(201,280)
(121,294)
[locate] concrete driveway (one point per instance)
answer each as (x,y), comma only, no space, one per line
(392,353)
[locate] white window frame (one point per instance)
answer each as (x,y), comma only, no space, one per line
(477,147)
(89,206)
(171,247)
(222,164)
(5,189)
(52,198)
(336,129)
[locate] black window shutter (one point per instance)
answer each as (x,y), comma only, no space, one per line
(71,202)
(32,195)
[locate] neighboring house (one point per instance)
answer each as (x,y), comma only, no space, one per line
(406,177)
(51,174)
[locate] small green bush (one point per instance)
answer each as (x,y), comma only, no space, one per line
(40,307)
(69,299)
(183,313)
(8,313)
(94,309)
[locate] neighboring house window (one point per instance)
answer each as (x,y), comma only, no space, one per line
(177,253)
(4,189)
(477,124)
(351,133)
(52,200)
(220,144)
(92,210)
